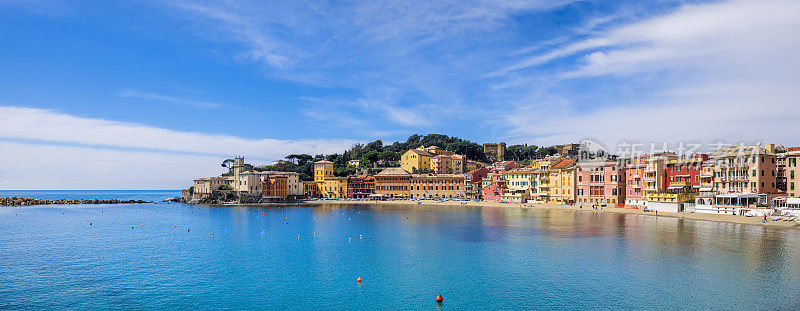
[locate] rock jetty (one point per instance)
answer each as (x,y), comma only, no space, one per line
(15,201)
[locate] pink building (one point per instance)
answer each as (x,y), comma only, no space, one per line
(634,182)
(493,185)
(601,181)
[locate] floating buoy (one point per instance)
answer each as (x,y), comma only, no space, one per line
(360,235)
(359,279)
(187,229)
(90,223)
(298,236)
(439,298)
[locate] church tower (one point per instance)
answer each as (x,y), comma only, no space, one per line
(238,167)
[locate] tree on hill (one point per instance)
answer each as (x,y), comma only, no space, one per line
(469,149)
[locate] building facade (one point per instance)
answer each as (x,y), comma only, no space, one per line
(495,151)
(562,182)
(360,187)
(437,186)
(393,182)
(519,182)
(472,183)
(601,182)
(276,187)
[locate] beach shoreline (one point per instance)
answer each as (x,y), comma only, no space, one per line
(736,219)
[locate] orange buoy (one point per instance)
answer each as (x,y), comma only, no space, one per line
(439,298)
(359,279)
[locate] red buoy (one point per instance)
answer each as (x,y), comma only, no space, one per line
(439,298)
(359,279)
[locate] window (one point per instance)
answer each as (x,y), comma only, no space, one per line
(762,172)
(762,184)
(791,186)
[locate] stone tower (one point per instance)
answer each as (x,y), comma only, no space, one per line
(238,167)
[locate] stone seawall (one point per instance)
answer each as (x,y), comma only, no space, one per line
(15,201)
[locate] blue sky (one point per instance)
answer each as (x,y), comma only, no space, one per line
(118,94)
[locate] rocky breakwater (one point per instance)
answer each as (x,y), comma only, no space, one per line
(15,201)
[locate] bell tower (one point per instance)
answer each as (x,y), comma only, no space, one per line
(238,166)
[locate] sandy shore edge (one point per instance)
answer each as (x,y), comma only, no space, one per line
(696,216)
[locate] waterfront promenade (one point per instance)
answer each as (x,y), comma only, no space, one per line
(587,208)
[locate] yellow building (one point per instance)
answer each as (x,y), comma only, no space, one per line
(415,160)
(520,183)
(328,185)
(541,170)
(562,182)
(333,187)
(421,160)
(322,169)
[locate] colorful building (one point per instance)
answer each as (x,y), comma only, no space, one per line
(601,181)
(493,185)
(393,182)
(682,183)
(310,190)
(634,182)
(542,168)
(792,174)
(360,187)
(276,187)
(655,173)
(447,164)
(562,181)
(519,182)
(745,177)
(472,183)
(328,185)
(437,186)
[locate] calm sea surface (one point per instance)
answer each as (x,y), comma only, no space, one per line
(178,256)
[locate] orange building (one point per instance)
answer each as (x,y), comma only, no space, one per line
(393,182)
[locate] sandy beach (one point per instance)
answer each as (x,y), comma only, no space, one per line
(697,216)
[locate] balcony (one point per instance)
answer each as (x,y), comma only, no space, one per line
(680,184)
(671,197)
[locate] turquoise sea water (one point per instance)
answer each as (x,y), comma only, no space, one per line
(143,257)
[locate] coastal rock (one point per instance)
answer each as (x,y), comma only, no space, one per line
(15,201)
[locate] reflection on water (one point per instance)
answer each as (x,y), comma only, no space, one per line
(301,257)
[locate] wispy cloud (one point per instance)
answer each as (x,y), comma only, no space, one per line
(411,62)
(132,93)
(718,71)
(50,126)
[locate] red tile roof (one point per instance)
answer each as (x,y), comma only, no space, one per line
(563,163)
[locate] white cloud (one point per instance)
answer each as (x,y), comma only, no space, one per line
(49,167)
(708,72)
(168,99)
(49,126)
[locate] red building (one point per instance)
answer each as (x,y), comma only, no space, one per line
(360,187)
(276,186)
(472,183)
(310,190)
(685,172)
